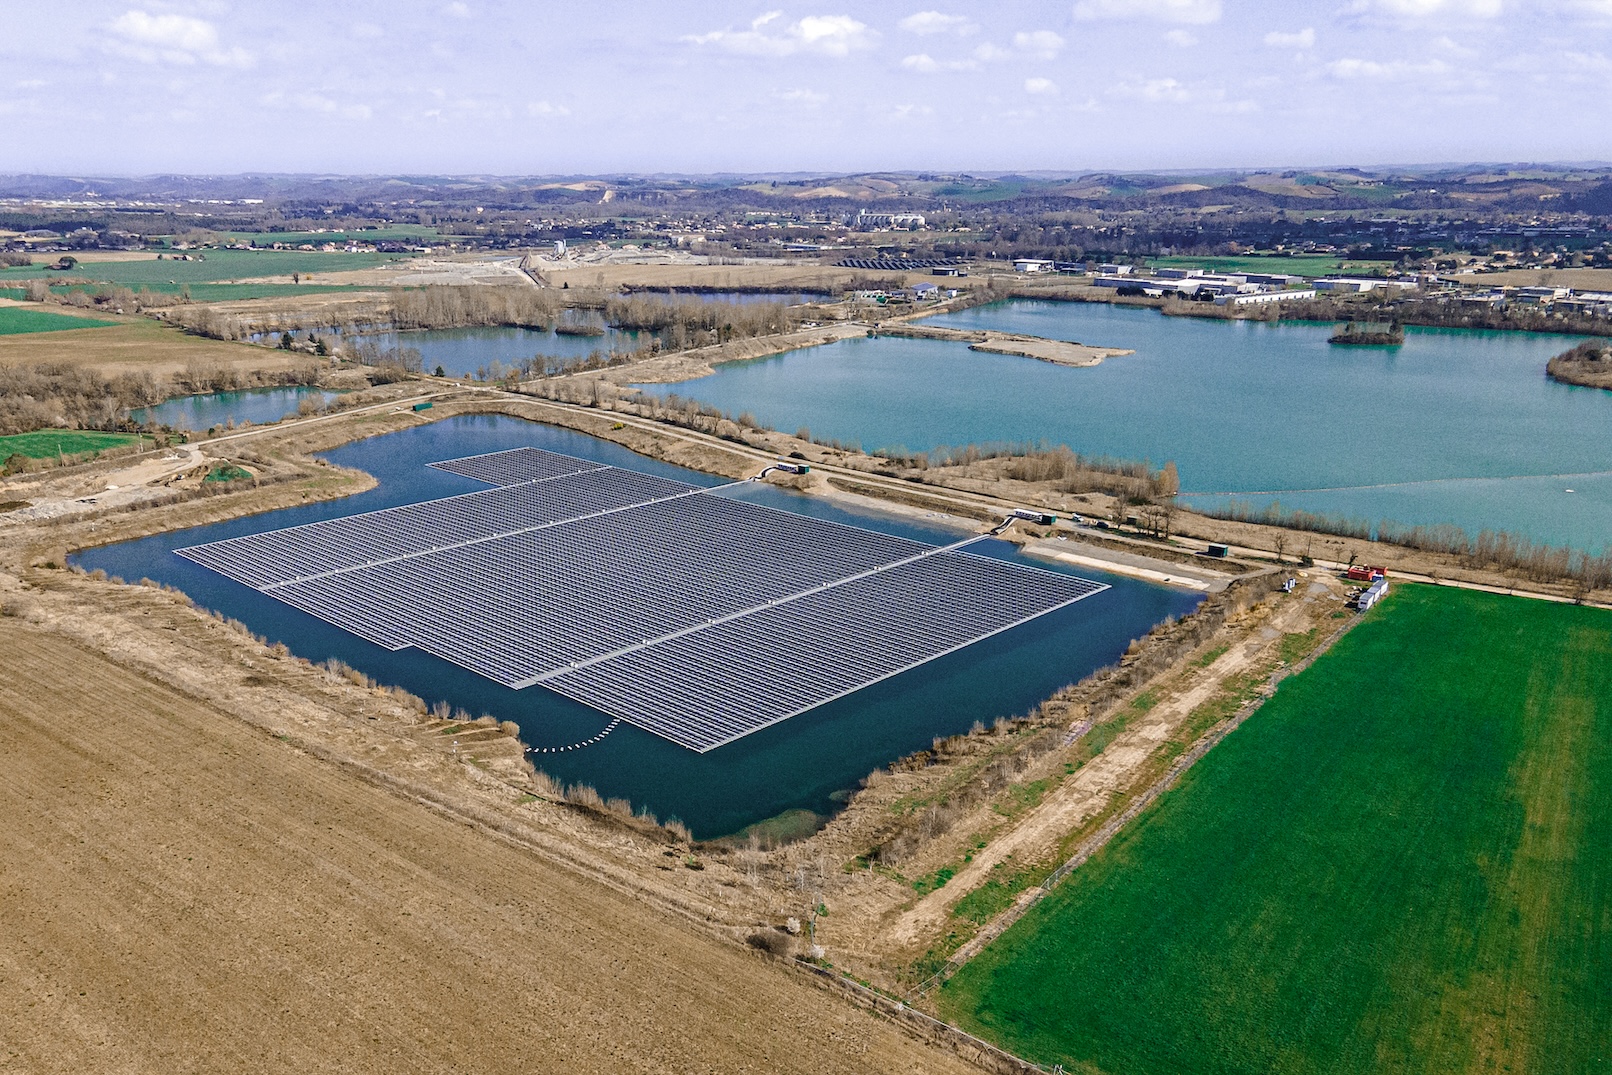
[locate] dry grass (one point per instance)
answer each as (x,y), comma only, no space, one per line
(136,344)
(1580,279)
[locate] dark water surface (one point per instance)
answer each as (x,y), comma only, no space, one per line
(1455,426)
(210,409)
(805,763)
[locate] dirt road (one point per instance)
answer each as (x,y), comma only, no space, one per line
(184,893)
(1112,772)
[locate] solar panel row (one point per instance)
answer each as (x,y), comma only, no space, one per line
(517,465)
(280,556)
(710,687)
(600,583)
(694,616)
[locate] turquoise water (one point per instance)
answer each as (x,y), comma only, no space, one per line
(1454,426)
(470,350)
(219,408)
(808,762)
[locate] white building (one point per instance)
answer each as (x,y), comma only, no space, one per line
(1347,286)
(905,221)
(1259,297)
(1031,265)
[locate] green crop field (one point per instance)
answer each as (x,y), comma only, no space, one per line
(49,443)
(16,320)
(1294,266)
(1402,863)
(229,292)
(403,233)
(221,266)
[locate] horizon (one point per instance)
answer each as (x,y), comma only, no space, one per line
(195,87)
(1049,174)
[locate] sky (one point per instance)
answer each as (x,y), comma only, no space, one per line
(559,88)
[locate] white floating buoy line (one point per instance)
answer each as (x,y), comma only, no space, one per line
(608,728)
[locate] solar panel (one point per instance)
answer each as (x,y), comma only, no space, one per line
(694,616)
(517,465)
(281,556)
(709,687)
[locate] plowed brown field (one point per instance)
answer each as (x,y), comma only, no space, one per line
(180,892)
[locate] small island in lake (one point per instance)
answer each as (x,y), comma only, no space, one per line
(1589,364)
(1377,333)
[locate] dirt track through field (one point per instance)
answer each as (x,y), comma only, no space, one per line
(183,893)
(1085,794)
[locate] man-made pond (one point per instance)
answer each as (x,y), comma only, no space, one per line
(256,405)
(1454,426)
(806,763)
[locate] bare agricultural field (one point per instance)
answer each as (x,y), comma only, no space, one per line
(784,277)
(1578,279)
(187,893)
(136,344)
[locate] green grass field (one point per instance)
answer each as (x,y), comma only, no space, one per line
(1402,863)
(230,292)
(49,443)
(395,233)
(221,266)
(1296,266)
(16,320)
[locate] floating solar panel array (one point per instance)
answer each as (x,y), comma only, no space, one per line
(696,617)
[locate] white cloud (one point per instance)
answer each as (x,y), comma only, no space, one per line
(1423,9)
(1196,12)
(1162,90)
(901,113)
(933,22)
(1384,71)
(989,53)
(367,30)
(177,39)
(1040,86)
(926,64)
(826,35)
(805,97)
(1454,48)
(318,102)
(458,10)
(1593,62)
(546,108)
(1182,39)
(1040,43)
(1301,39)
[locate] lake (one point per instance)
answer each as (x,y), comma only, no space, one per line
(807,763)
(1454,426)
(257,405)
